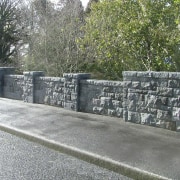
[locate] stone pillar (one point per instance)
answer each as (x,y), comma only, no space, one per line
(176,118)
(4,71)
(127,83)
(72,90)
(174,82)
(29,82)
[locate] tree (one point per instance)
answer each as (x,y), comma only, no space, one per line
(88,8)
(131,35)
(52,43)
(9,31)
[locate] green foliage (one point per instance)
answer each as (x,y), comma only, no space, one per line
(88,8)
(9,32)
(131,35)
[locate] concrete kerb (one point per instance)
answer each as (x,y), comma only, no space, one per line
(92,158)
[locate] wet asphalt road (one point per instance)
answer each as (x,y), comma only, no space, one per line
(24,160)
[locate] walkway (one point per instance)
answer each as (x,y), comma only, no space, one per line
(140,152)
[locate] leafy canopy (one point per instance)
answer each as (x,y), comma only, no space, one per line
(132,35)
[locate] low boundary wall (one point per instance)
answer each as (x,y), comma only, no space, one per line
(152,98)
(149,98)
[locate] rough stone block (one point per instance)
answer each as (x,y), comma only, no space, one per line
(163,91)
(174,102)
(141,107)
(111,95)
(74,96)
(119,96)
(176,114)
(60,90)
(133,96)
(164,101)
(132,105)
(173,83)
(150,100)
(68,97)
(106,102)
(111,112)
(96,102)
(129,73)
(70,106)
(116,104)
(28,99)
(106,89)
(164,115)
(119,112)
(165,108)
(162,83)
(98,110)
(174,75)
(47,99)
(136,84)
(160,75)
(146,85)
(160,123)
(176,91)
(170,125)
(134,117)
(147,119)
(60,103)
(144,74)
(178,126)
(141,97)
(157,102)
(125,115)
(53,102)
(76,75)
(152,111)
(127,84)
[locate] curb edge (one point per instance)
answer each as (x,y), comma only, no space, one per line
(101,161)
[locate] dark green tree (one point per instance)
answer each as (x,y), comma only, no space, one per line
(9,31)
(88,8)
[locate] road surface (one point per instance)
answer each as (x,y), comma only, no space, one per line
(24,160)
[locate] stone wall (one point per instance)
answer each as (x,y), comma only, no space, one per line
(4,71)
(102,97)
(49,90)
(72,90)
(13,86)
(149,98)
(29,85)
(152,98)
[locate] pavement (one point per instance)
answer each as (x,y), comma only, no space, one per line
(136,151)
(21,159)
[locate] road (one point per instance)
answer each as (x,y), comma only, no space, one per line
(24,160)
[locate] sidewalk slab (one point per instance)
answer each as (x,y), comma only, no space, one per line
(136,151)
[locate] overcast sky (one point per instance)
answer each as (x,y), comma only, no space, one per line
(84,2)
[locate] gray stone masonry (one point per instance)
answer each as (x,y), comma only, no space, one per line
(152,98)
(148,98)
(29,83)
(13,86)
(49,90)
(72,89)
(4,71)
(102,97)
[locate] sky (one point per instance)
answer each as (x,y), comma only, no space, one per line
(84,2)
